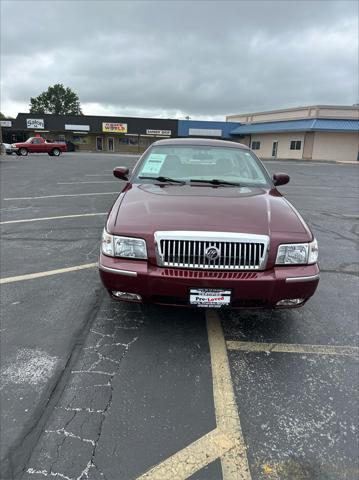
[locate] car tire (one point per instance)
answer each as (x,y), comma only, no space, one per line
(23,152)
(56,152)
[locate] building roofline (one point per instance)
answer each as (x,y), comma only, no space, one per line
(93,116)
(291,109)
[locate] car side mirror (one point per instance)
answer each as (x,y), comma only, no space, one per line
(121,173)
(280,179)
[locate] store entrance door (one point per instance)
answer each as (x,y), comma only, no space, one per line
(110,144)
(99,144)
(274,149)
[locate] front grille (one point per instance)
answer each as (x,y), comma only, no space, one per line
(233,251)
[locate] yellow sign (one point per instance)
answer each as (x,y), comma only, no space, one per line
(114,127)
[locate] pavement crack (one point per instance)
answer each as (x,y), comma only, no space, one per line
(62,431)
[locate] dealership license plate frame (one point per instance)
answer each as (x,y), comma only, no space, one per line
(212,295)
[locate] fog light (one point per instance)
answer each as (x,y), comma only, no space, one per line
(132,297)
(290,302)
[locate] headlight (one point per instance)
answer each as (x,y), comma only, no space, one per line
(126,247)
(297,253)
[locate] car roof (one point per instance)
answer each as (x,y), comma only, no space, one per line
(208,142)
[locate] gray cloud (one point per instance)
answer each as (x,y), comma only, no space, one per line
(198,58)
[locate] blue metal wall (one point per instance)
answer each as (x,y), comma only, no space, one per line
(226,127)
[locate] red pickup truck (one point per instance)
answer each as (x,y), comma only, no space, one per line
(38,145)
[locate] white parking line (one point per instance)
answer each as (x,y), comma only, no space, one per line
(65,195)
(51,218)
(48,273)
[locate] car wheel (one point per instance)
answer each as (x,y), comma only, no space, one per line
(56,152)
(23,152)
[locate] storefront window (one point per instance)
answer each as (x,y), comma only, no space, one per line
(129,140)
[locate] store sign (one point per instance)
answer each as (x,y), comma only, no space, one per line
(158,132)
(109,127)
(35,123)
(205,132)
(78,128)
(5,123)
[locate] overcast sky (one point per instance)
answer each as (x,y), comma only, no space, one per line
(205,59)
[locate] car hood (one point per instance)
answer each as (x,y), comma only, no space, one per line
(144,209)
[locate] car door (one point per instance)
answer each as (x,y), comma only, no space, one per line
(35,145)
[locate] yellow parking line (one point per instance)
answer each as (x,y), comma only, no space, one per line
(234,462)
(51,218)
(293,348)
(31,276)
(189,460)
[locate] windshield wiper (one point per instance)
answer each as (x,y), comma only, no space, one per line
(215,181)
(163,179)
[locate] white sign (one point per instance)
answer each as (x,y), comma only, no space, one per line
(154,163)
(158,132)
(5,123)
(204,132)
(209,298)
(35,123)
(78,128)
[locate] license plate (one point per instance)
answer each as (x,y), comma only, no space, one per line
(205,297)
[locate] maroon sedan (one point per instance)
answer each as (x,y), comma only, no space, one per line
(201,223)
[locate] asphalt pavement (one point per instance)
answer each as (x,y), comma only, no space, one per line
(94,389)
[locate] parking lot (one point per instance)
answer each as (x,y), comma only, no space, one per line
(93,389)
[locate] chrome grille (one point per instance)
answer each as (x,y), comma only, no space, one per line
(236,251)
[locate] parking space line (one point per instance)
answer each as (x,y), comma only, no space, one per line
(48,273)
(189,460)
(234,462)
(52,218)
(64,195)
(348,351)
(224,442)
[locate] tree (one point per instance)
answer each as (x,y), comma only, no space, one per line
(58,100)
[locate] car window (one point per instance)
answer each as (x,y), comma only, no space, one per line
(202,163)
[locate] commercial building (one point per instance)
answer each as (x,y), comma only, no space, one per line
(91,133)
(303,133)
(109,134)
(320,132)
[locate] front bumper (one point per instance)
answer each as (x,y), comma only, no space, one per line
(170,286)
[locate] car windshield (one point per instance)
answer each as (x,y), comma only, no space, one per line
(29,140)
(203,163)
